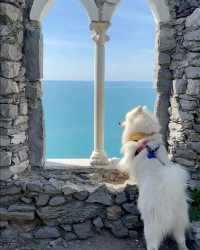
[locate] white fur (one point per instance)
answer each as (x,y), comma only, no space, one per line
(162,197)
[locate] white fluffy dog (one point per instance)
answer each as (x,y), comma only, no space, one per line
(162,184)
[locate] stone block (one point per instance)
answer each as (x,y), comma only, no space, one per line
(100,195)
(34,54)
(9,234)
(26,200)
(9,69)
(5,158)
(120,198)
(66,228)
(18,138)
(21,208)
(163,86)
(163,73)
(33,91)
(70,236)
(193,72)
(57,200)
(193,59)
(188,105)
(23,108)
(4,30)
(35,186)
(8,87)
(11,11)
(36,136)
(131,192)
(8,110)
(179,86)
(192,35)
(196,146)
(130,221)
(113,212)
(20,120)
(83,230)
(47,233)
(193,19)
(193,46)
(5,174)
(70,213)
(42,199)
(19,216)
(131,208)
(164,59)
(10,52)
(166,40)
(4,141)
(6,123)
(133,234)
(98,223)
(16,169)
(193,87)
(10,190)
(197,127)
(81,196)
(23,154)
(117,228)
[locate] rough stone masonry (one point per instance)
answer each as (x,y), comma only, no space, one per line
(177,81)
(38,200)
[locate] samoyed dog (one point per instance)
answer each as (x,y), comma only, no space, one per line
(162,184)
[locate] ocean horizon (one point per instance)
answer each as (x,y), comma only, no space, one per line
(68,109)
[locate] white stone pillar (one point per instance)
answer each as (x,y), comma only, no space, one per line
(99,156)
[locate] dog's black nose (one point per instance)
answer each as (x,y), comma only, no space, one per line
(119,123)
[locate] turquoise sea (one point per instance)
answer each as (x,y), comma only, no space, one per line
(68,107)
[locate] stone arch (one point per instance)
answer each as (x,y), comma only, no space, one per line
(159,8)
(40,8)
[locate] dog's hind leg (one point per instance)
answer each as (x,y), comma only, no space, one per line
(152,236)
(179,235)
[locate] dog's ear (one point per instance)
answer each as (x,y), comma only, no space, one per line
(139,109)
(145,108)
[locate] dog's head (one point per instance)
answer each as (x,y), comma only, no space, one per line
(139,120)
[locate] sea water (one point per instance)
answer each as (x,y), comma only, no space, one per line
(68,108)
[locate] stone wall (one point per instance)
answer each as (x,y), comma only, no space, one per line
(178,83)
(59,204)
(51,204)
(14,150)
(21,116)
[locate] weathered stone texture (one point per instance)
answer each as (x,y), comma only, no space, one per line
(13,113)
(178,109)
(177,82)
(33,52)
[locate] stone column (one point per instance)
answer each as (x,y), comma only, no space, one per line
(99,156)
(33,49)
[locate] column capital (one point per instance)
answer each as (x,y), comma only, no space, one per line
(99,31)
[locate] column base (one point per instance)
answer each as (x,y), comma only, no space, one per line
(98,158)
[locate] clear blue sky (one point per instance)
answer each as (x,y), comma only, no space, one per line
(68,47)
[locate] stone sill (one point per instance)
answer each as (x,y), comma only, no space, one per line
(77,163)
